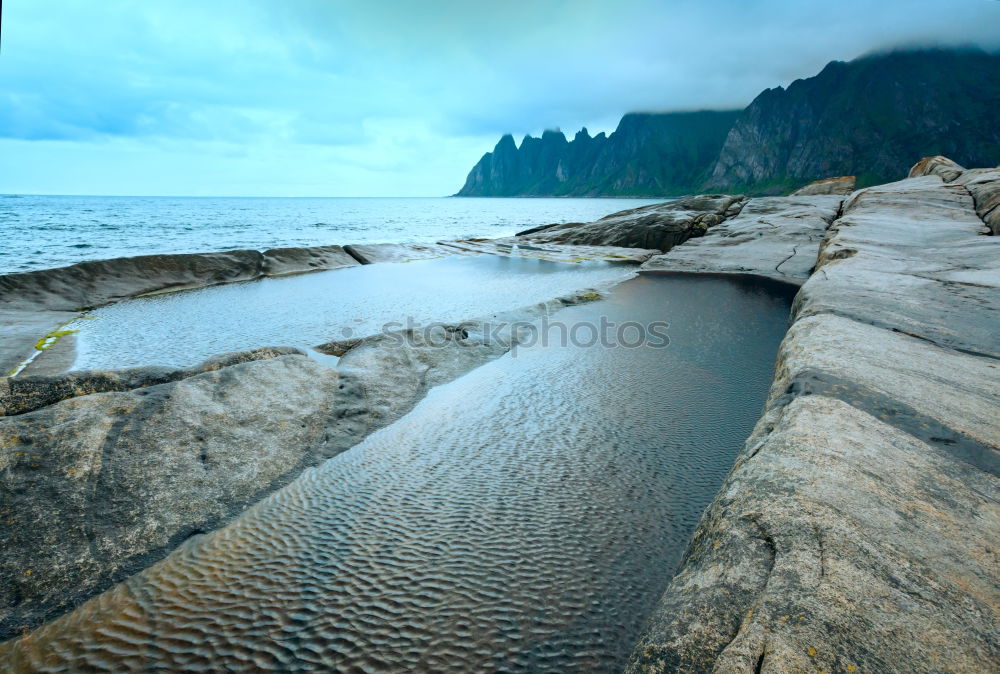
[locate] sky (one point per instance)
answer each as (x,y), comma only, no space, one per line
(390,97)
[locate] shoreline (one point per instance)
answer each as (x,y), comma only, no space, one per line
(888,333)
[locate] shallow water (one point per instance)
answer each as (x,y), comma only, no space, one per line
(184,328)
(524,517)
(40,232)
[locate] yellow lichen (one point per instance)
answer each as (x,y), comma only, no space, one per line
(49,340)
(812,652)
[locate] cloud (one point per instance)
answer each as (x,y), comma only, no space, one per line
(378,93)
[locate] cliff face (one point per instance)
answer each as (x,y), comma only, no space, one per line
(866,118)
(648,154)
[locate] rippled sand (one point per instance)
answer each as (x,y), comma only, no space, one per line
(524,517)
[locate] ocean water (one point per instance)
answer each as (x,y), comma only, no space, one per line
(40,232)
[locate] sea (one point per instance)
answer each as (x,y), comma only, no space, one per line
(41,232)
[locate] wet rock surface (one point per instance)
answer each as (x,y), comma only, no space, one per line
(775,237)
(659,226)
(398,252)
(514,247)
(284,261)
(858,529)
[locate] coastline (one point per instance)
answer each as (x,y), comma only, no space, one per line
(887,336)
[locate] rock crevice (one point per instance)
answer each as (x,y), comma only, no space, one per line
(872,473)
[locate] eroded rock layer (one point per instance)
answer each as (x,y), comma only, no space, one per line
(776,237)
(859,527)
(658,226)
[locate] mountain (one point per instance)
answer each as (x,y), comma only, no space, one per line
(871,117)
(648,154)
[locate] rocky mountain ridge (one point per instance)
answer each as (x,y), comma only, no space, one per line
(866,118)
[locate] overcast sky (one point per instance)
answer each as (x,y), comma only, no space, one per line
(389,97)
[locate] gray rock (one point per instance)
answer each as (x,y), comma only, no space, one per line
(515,247)
(285,261)
(856,530)
(97,487)
(658,226)
(91,284)
(776,237)
(398,252)
(839,544)
(21,328)
(984,186)
(939,166)
(911,256)
(842,185)
(26,394)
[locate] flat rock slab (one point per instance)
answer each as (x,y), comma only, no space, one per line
(776,237)
(399,252)
(655,227)
(943,397)
(20,330)
(858,529)
(912,256)
(285,261)
(515,247)
(839,544)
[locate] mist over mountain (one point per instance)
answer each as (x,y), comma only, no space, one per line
(871,117)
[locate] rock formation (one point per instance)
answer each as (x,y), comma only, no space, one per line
(776,237)
(397,252)
(857,529)
(840,185)
(659,226)
(939,166)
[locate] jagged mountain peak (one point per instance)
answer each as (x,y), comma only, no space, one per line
(868,117)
